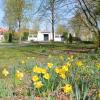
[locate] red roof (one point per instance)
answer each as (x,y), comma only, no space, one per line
(2,30)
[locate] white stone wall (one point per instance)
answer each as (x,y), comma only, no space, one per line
(32,37)
(1,38)
(40,37)
(57,38)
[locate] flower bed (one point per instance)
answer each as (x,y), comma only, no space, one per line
(69,77)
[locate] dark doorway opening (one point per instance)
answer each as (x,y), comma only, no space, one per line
(46,37)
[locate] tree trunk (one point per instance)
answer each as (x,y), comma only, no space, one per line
(52,21)
(19,31)
(88,15)
(98,38)
(70,39)
(10,38)
(52,30)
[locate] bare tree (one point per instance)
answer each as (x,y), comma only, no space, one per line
(50,10)
(91,18)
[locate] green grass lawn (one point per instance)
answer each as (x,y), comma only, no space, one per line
(9,53)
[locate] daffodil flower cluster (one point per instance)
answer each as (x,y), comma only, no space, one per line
(63,70)
(51,77)
(79,63)
(98,65)
(19,75)
(68,88)
(36,79)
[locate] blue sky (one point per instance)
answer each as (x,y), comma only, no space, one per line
(42,25)
(1,13)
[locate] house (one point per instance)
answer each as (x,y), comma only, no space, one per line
(2,31)
(1,37)
(44,36)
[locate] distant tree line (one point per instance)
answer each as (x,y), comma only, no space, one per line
(85,20)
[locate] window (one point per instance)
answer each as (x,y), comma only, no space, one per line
(56,36)
(35,35)
(30,35)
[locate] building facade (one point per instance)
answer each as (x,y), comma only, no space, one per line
(2,31)
(1,37)
(44,36)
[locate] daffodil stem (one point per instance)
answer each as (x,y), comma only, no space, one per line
(14,81)
(39,92)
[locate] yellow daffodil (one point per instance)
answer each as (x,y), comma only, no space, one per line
(49,56)
(68,64)
(63,76)
(56,70)
(98,95)
(98,65)
(33,57)
(19,75)
(70,57)
(61,71)
(79,63)
(43,71)
(22,62)
(38,84)
(50,65)
(65,68)
(35,78)
(47,76)
(5,72)
(61,57)
(67,88)
(39,70)
(28,58)
(36,69)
